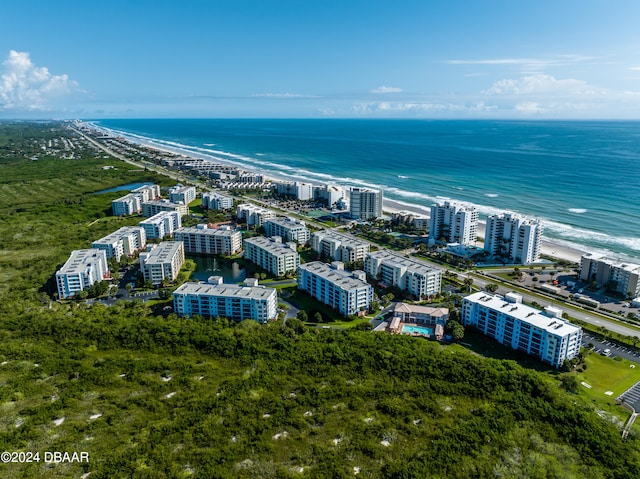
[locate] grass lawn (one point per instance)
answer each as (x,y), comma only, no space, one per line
(604,374)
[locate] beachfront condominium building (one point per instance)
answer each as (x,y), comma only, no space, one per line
(331,195)
(163,262)
(288,229)
(131,204)
(215,299)
(347,292)
(151,208)
(544,335)
(339,246)
(216,201)
(254,215)
(620,276)
(299,191)
(124,241)
(453,223)
(272,255)
(162,224)
(513,237)
(203,240)
(182,194)
(365,204)
(408,274)
(147,192)
(126,205)
(83,268)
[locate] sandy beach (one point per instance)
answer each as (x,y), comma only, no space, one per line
(548,248)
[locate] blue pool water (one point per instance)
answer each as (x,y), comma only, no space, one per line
(408,329)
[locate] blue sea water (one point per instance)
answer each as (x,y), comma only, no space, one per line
(580,178)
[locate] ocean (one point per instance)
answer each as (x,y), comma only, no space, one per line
(580,178)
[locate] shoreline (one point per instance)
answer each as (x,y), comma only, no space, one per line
(549,247)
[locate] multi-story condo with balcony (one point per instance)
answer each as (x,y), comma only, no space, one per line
(513,237)
(616,275)
(544,335)
(411,275)
(162,224)
(216,201)
(203,240)
(339,246)
(347,292)
(83,268)
(365,204)
(272,255)
(453,223)
(288,229)
(131,204)
(163,262)
(124,241)
(151,208)
(254,215)
(182,194)
(215,299)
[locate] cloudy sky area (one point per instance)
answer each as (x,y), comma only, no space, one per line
(337,58)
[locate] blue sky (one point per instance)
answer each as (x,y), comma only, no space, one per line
(309,58)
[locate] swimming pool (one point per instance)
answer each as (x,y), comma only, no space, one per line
(413,329)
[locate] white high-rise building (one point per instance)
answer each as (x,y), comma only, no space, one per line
(348,292)
(215,299)
(126,240)
(544,335)
(412,275)
(216,201)
(272,254)
(514,237)
(365,204)
(453,223)
(132,203)
(333,196)
(254,215)
(182,194)
(83,268)
(620,276)
(163,262)
(162,224)
(287,228)
(339,246)
(200,239)
(151,208)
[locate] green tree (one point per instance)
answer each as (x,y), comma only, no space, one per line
(302,316)
(492,287)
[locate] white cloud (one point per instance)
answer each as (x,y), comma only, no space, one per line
(25,86)
(417,108)
(386,89)
(529,63)
(540,84)
(635,69)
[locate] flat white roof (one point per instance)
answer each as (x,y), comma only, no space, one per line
(339,277)
(398,260)
(226,290)
(81,259)
(522,312)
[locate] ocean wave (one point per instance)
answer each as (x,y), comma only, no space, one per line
(577,211)
(403,177)
(491,195)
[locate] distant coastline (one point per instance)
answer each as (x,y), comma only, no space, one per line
(275,168)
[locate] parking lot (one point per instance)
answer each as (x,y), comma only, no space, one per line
(610,349)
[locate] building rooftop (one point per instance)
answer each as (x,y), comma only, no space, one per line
(615,263)
(533,316)
(411,264)
(81,259)
(225,290)
(338,277)
(286,222)
(118,234)
(163,252)
(345,239)
(273,245)
(415,308)
(206,231)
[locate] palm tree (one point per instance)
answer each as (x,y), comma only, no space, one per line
(468,282)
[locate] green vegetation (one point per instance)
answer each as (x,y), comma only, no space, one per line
(154,396)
